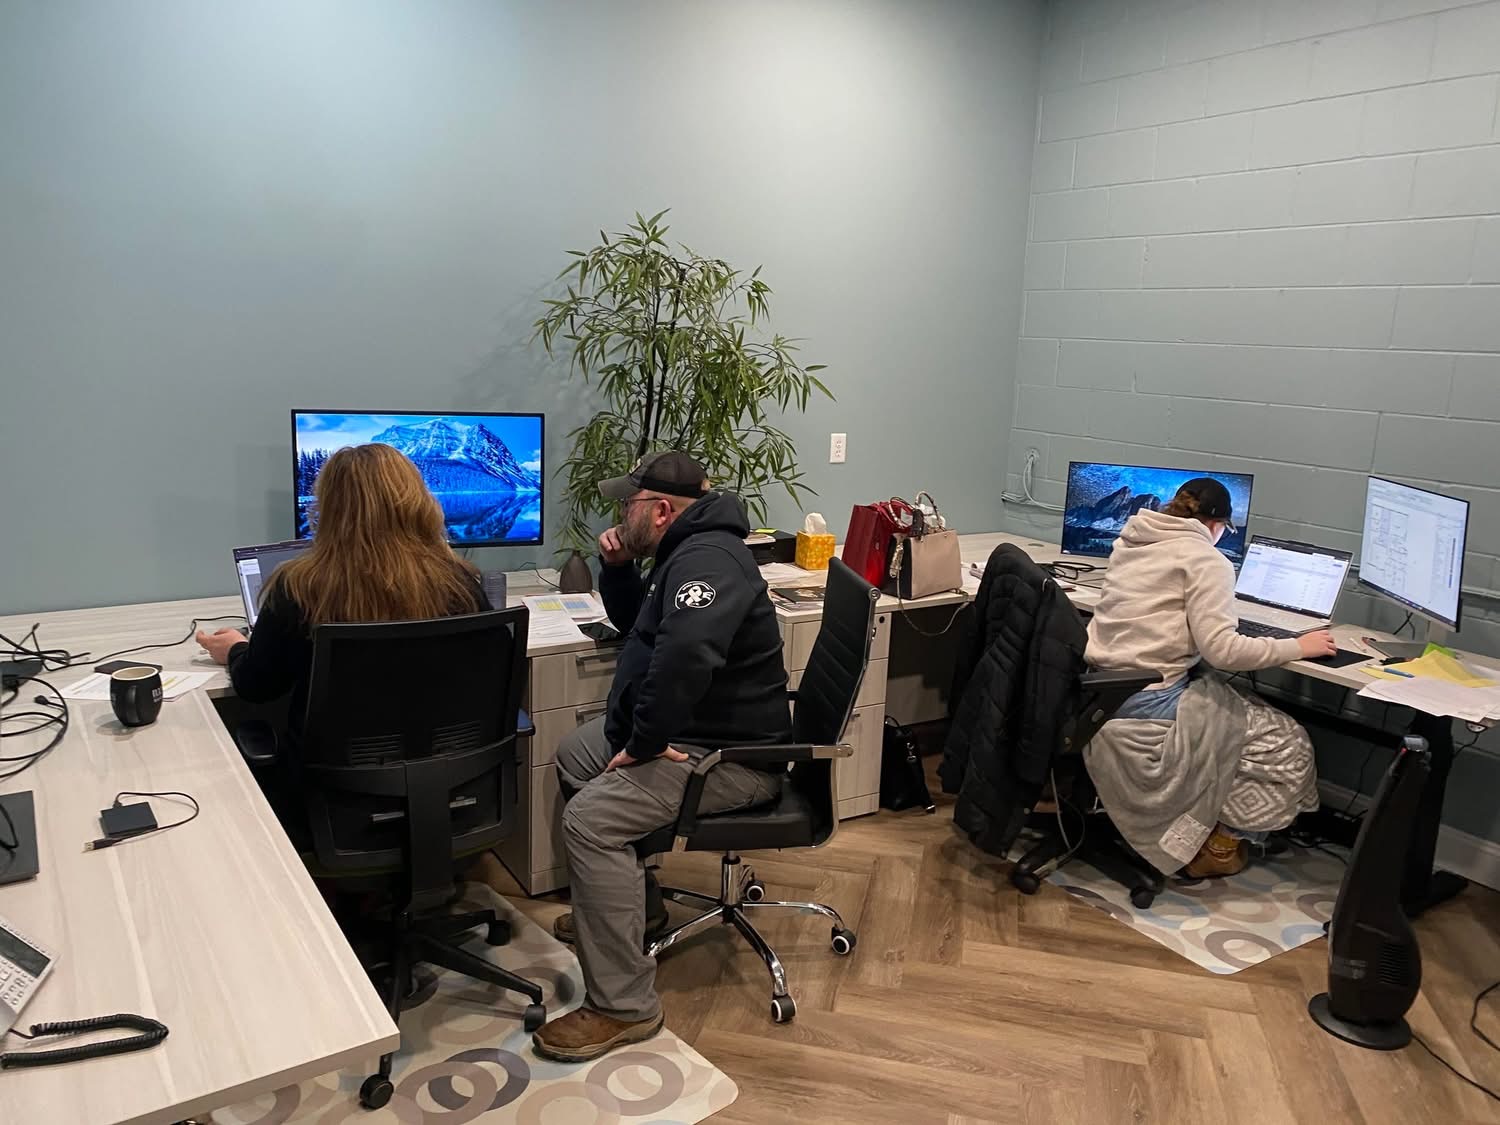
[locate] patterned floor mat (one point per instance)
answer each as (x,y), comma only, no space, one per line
(1225,925)
(464,1057)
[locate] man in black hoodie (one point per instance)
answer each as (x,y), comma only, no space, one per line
(701,669)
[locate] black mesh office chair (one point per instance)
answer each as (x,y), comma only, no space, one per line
(805,813)
(408,765)
(1089,835)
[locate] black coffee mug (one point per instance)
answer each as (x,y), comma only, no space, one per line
(135,694)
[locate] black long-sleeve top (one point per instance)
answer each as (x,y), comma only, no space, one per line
(277,658)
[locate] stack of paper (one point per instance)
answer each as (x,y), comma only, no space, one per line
(780,574)
(1438,683)
(582,608)
(173,684)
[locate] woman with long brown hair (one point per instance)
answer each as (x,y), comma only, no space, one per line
(379,553)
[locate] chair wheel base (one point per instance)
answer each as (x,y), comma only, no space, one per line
(533,1018)
(498,932)
(1025,881)
(755,891)
(376,1091)
(1142,897)
(783,1009)
(843,942)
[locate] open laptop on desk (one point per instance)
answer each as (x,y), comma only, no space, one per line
(1286,588)
(254,565)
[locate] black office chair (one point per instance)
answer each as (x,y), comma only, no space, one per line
(805,813)
(1091,836)
(408,765)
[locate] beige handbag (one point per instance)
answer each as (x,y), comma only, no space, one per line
(925,558)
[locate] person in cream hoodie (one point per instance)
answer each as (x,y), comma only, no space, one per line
(1168,603)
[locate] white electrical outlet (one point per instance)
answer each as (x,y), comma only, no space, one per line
(838,448)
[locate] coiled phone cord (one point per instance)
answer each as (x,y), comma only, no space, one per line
(150,1034)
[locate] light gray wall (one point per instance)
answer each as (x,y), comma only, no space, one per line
(211,213)
(1264,238)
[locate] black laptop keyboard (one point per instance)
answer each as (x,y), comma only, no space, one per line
(1261,629)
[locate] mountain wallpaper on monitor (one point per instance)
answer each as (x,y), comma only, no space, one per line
(488,493)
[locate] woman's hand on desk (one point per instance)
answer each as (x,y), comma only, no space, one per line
(219,642)
(1317,643)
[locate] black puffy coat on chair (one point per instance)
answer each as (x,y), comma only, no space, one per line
(1015,688)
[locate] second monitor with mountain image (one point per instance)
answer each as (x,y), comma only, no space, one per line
(484,469)
(1102,497)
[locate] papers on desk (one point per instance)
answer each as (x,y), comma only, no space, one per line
(1438,683)
(1437,697)
(173,684)
(782,574)
(579,607)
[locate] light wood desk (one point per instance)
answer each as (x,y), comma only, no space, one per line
(214,928)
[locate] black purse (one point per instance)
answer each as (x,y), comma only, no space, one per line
(902,782)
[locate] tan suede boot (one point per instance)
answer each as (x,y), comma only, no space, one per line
(1221,854)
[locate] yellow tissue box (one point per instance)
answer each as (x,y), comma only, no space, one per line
(814,551)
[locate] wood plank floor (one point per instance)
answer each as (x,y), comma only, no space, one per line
(967,1002)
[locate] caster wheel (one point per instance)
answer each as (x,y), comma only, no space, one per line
(1025,881)
(843,942)
(783,1009)
(755,891)
(1142,898)
(498,932)
(534,1017)
(375,1091)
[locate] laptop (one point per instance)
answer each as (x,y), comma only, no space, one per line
(254,565)
(1286,588)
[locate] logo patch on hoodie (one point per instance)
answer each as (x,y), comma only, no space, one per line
(696,595)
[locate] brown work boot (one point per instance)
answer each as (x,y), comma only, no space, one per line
(564,930)
(584,1034)
(1221,854)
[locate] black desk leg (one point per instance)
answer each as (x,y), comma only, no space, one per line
(1422,887)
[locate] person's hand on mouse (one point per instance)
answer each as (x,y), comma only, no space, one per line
(612,549)
(1317,643)
(218,643)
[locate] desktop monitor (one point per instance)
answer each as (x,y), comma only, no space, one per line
(1412,548)
(1102,497)
(484,469)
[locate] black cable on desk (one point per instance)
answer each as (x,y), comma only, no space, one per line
(57,659)
(169,794)
(61,721)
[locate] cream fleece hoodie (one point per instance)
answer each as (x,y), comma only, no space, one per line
(1168,601)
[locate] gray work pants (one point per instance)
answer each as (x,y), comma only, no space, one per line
(606,815)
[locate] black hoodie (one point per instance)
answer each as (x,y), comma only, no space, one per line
(702,664)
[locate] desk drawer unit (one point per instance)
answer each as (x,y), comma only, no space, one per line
(859,776)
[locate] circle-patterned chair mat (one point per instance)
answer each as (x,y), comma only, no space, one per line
(465,1058)
(1225,925)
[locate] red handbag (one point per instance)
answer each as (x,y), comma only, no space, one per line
(867,547)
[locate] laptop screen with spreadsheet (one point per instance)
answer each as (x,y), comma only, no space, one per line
(1301,577)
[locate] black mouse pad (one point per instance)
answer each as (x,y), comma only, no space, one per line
(20,862)
(1342,659)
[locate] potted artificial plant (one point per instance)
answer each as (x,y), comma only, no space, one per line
(670,341)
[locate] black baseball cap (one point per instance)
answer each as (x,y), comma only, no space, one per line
(671,474)
(1213,499)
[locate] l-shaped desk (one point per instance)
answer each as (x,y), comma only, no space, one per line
(216,930)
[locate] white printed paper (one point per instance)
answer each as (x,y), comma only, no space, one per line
(96,686)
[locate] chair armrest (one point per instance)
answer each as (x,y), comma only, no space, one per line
(257,744)
(1134,678)
(687,815)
